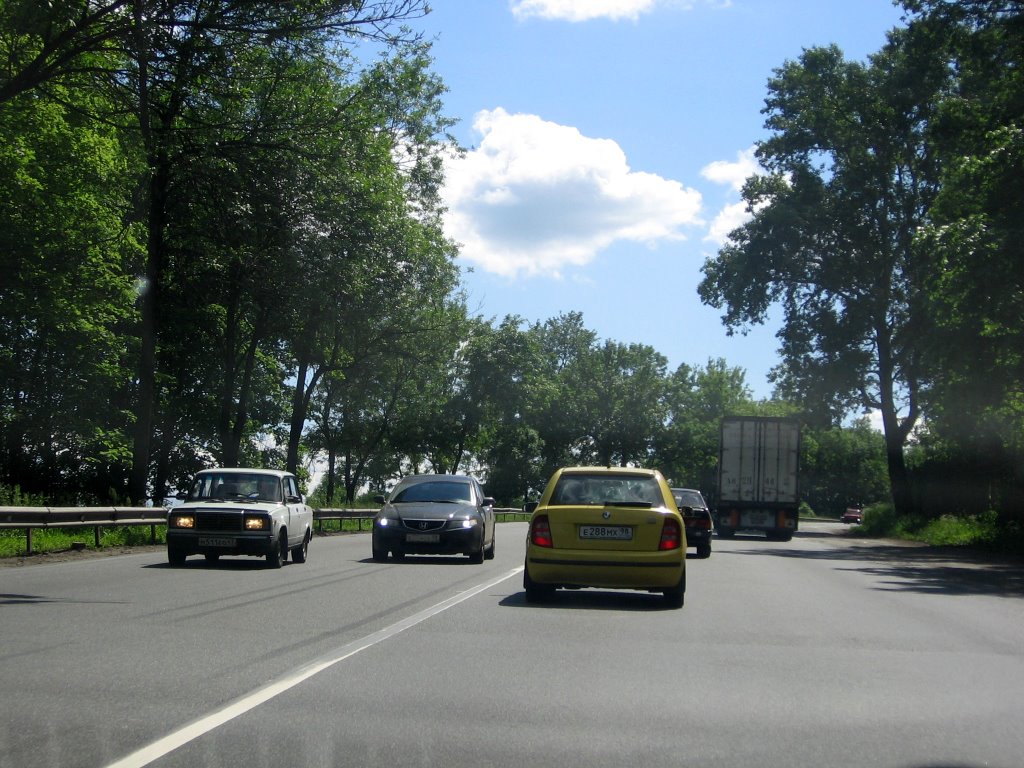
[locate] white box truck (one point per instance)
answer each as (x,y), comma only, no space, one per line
(758,476)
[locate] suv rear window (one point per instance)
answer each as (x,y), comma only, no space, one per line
(686,498)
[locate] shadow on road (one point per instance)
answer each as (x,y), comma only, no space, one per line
(904,567)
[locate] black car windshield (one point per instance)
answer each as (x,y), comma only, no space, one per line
(434,490)
(236,486)
(608,490)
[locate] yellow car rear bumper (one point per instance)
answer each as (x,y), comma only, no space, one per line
(614,570)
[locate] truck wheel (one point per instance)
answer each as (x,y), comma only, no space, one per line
(175,556)
(277,554)
(300,552)
(704,551)
(489,553)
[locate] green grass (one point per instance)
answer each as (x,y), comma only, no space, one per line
(948,530)
(13,542)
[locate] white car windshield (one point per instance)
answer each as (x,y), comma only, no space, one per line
(236,487)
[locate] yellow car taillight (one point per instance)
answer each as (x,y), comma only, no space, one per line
(671,535)
(540,532)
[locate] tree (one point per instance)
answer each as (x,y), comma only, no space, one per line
(63,42)
(976,238)
(843,467)
(502,382)
(177,52)
(565,345)
(831,238)
(624,402)
(66,296)
(686,448)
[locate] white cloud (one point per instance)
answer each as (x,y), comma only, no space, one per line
(536,197)
(734,174)
(586,10)
(581,10)
(727,219)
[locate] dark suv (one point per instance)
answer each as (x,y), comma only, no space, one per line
(696,518)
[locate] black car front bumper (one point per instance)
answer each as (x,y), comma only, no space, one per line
(403,540)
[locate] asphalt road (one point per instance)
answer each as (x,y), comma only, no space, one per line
(824,651)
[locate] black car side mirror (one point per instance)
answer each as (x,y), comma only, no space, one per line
(378,499)
(488,501)
(529,506)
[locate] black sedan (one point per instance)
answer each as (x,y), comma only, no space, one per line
(435,515)
(696,518)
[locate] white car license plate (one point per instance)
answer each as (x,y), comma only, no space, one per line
(423,538)
(612,532)
(216,541)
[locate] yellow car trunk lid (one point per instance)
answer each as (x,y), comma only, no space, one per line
(606,527)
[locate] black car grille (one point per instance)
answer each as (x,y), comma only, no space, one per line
(424,525)
(218,521)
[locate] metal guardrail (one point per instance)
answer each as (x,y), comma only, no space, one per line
(34,518)
(30,519)
(502,514)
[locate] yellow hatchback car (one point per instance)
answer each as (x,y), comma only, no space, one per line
(607,527)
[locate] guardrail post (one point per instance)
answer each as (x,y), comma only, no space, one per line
(28,541)
(96,534)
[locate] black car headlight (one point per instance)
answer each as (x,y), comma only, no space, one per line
(463,523)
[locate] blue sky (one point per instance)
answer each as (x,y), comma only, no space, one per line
(607,142)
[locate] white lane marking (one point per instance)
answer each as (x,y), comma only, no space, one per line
(194,730)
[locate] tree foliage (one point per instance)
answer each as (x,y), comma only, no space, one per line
(831,238)
(221,242)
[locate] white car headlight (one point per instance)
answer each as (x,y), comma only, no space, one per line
(256,523)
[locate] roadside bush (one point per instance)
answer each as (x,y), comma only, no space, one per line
(945,530)
(881,520)
(13,497)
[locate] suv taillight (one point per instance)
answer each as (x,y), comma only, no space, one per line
(540,532)
(671,535)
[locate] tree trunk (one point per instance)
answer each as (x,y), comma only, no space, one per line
(149,300)
(895,430)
